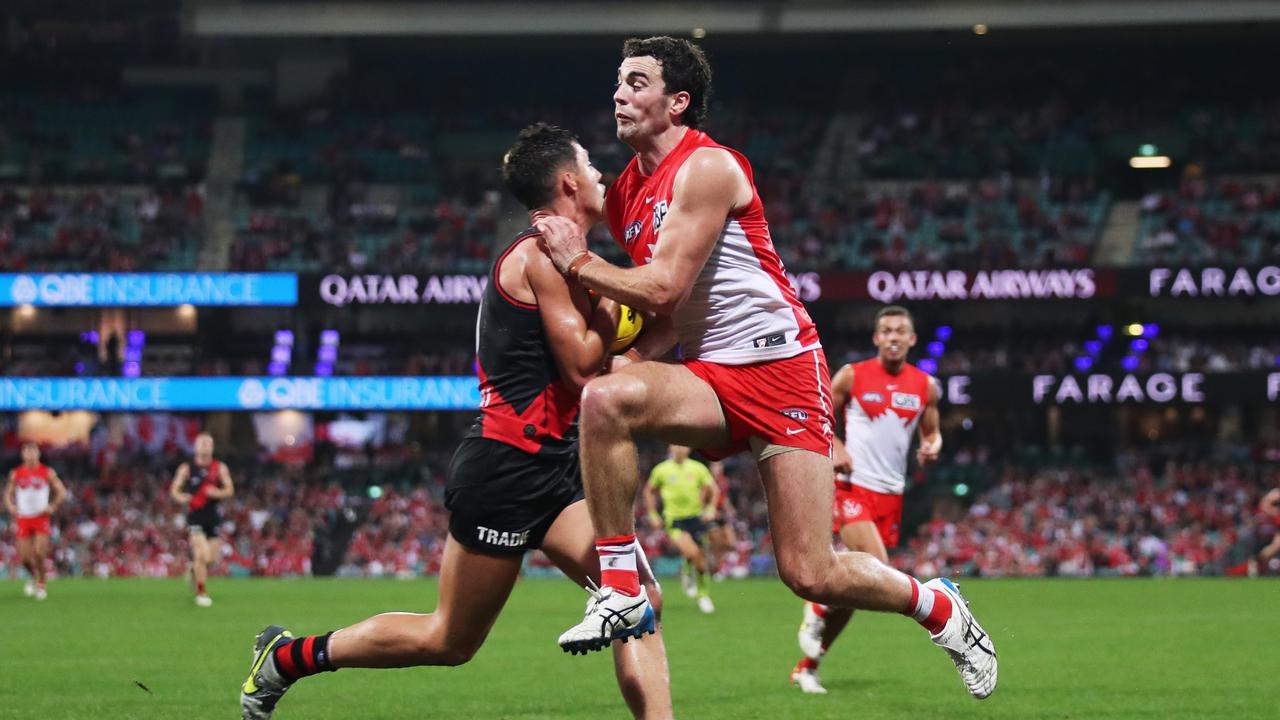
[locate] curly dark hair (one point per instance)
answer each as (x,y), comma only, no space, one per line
(684,68)
(529,167)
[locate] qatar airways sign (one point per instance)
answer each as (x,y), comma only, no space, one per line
(1064,284)
(342,290)
(1214,282)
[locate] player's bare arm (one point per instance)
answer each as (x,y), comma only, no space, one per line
(579,336)
(651,507)
(225,487)
(175,488)
(708,188)
(58,494)
(841,387)
(10,495)
(930,432)
(710,499)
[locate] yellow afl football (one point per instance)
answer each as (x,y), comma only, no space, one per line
(630,323)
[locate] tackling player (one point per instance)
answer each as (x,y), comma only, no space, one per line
(200,485)
(689,498)
(879,403)
(752,375)
(1270,506)
(513,483)
(33,493)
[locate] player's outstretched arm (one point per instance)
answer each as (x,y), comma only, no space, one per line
(225,488)
(841,388)
(930,429)
(709,186)
(175,487)
(579,335)
(59,494)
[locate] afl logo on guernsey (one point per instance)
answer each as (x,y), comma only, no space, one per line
(659,214)
(796,414)
(633,232)
(905,401)
(872,397)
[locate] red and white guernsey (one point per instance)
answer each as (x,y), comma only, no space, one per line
(31,486)
(742,309)
(881,416)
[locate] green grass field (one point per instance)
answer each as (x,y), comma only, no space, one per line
(1068,649)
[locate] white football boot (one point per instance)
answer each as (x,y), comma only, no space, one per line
(966,642)
(610,616)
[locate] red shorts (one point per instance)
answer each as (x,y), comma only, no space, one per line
(782,402)
(858,504)
(31,526)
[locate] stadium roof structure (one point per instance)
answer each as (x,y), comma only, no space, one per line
(304,18)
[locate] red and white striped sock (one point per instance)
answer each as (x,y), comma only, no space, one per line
(618,563)
(931,608)
(818,609)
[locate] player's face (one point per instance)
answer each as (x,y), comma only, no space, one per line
(590,187)
(641,106)
(894,337)
(204,446)
(30,454)
(679,453)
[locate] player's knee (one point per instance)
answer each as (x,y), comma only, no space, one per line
(453,654)
(804,577)
(609,401)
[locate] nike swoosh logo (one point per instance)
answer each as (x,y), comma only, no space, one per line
(794,431)
(649,199)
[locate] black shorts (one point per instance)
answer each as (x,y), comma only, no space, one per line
(503,500)
(206,520)
(695,526)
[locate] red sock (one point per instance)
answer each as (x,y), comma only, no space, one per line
(819,610)
(807,663)
(931,608)
(200,588)
(618,563)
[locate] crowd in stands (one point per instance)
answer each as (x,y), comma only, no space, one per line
(1183,519)
(295,507)
(101,228)
(1227,220)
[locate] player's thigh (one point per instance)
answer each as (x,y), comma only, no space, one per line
(687,546)
(863,536)
(212,549)
(570,544)
(663,401)
(474,586)
(199,545)
(799,488)
(41,545)
(26,547)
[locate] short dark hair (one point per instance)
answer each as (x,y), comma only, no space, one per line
(684,69)
(529,167)
(895,311)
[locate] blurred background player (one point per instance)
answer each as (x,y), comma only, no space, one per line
(879,402)
(33,493)
(513,483)
(200,485)
(689,498)
(1270,506)
(720,532)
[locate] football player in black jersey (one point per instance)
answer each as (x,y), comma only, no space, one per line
(200,485)
(514,483)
